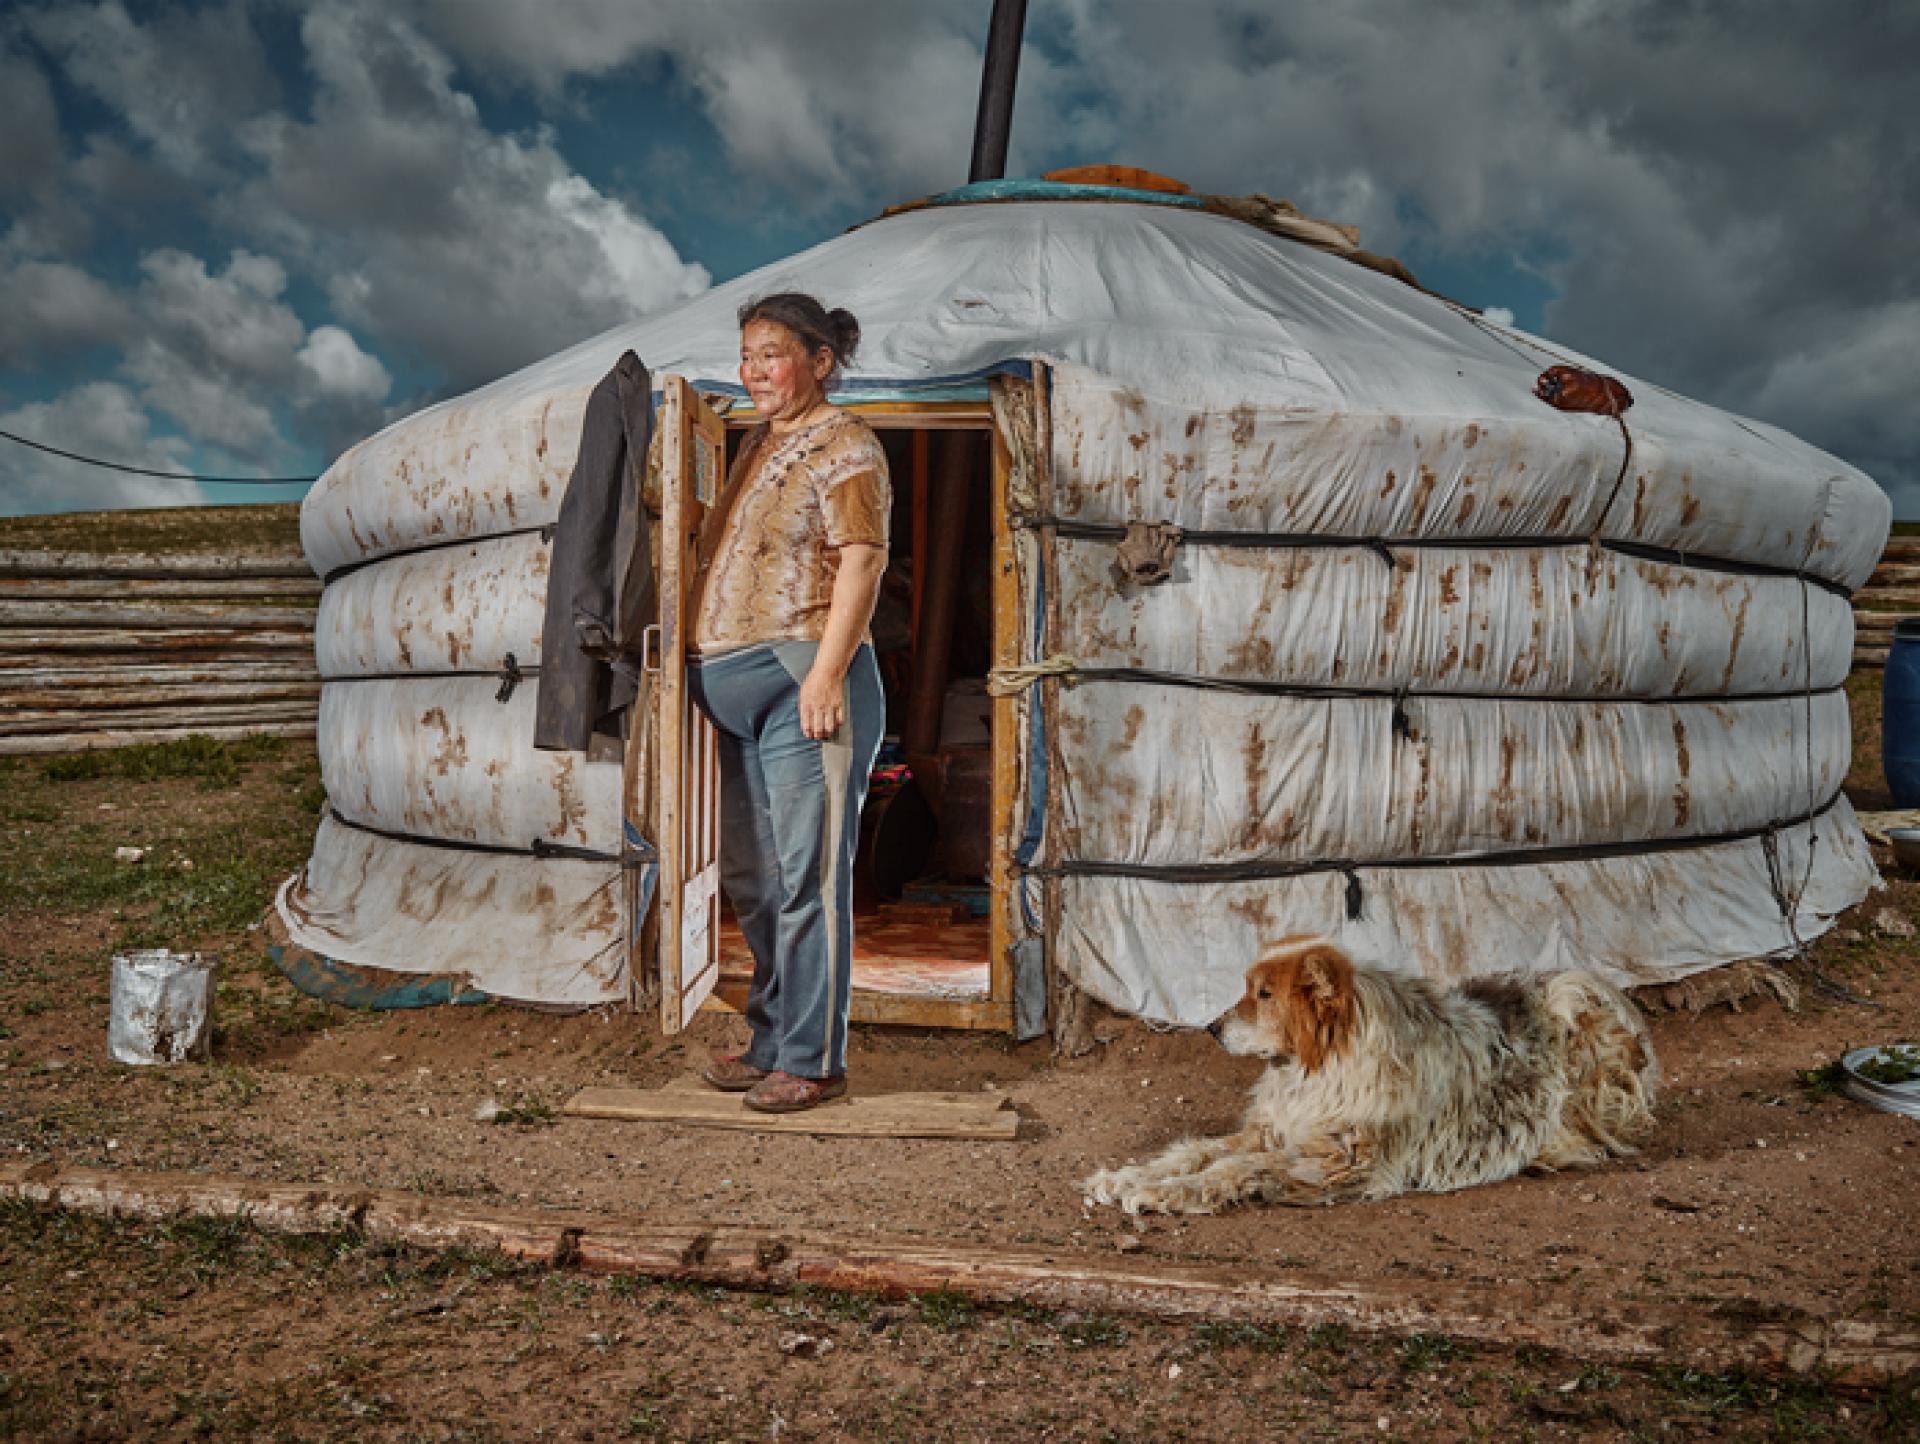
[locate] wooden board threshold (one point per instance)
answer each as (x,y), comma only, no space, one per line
(983,1117)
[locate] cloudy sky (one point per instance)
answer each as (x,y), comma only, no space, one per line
(237,236)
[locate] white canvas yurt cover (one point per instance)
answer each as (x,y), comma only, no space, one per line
(1466,682)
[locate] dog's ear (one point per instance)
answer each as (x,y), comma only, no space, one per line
(1321,1014)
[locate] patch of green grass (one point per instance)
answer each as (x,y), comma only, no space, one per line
(814,1303)
(1422,1353)
(208,1244)
(160,903)
(945,1311)
(1260,1338)
(1794,1408)
(528,1113)
(1093,1331)
(218,763)
(1866,776)
(237,1086)
(1826,1081)
(1329,1338)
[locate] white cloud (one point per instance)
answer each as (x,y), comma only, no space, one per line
(474,251)
(181,81)
(30,149)
(833,99)
(97,419)
(233,322)
(219,352)
(49,308)
(1847,382)
(1499,315)
(341,371)
(1723,203)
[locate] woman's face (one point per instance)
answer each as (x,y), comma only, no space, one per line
(783,380)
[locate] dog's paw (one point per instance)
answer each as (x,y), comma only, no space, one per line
(1168,1195)
(1138,1190)
(1109,1185)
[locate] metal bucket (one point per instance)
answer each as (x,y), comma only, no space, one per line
(162,1009)
(1901,1094)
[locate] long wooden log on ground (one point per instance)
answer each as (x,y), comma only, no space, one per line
(139,589)
(63,614)
(75,719)
(1582,1324)
(107,694)
(1869,656)
(186,641)
(47,746)
(159,567)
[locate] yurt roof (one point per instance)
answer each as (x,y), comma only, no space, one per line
(1157,293)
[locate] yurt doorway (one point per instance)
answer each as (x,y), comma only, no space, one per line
(928,894)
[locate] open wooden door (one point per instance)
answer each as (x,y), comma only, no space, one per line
(686,784)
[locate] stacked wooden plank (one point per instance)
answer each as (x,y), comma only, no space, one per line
(106,650)
(1892,592)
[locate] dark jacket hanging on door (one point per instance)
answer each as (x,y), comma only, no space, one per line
(600,575)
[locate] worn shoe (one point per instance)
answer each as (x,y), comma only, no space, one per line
(732,1073)
(781,1092)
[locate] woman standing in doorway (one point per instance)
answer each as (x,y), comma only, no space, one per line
(783,665)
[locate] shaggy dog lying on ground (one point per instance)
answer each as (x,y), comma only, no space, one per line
(1382,1083)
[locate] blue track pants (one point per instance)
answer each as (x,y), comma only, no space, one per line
(789,825)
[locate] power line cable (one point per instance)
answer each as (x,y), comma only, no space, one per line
(164,475)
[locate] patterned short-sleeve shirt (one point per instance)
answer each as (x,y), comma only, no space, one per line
(773,551)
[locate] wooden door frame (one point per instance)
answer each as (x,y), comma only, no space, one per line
(995,1011)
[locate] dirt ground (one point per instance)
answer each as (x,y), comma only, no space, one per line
(203,1329)
(1760,1187)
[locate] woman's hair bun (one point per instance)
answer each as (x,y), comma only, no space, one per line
(846,334)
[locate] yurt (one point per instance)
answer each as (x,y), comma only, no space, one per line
(1241,588)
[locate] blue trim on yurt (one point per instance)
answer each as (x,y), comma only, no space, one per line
(1036,758)
(855,390)
(378,990)
(1045,190)
(637,845)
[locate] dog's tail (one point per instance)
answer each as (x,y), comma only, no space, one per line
(1612,1074)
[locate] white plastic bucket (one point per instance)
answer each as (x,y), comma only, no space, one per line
(162,1008)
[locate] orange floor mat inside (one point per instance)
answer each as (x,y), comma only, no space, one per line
(917,950)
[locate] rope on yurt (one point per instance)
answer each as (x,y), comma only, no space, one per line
(1217,872)
(1011,681)
(509,674)
(1800,960)
(540,847)
(1385,547)
(349,568)
(1006,681)
(1594,540)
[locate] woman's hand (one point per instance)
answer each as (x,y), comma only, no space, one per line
(823,695)
(823,703)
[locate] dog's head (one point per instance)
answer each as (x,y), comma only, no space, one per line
(1298,1004)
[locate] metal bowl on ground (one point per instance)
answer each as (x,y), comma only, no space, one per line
(1896,1088)
(1905,842)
